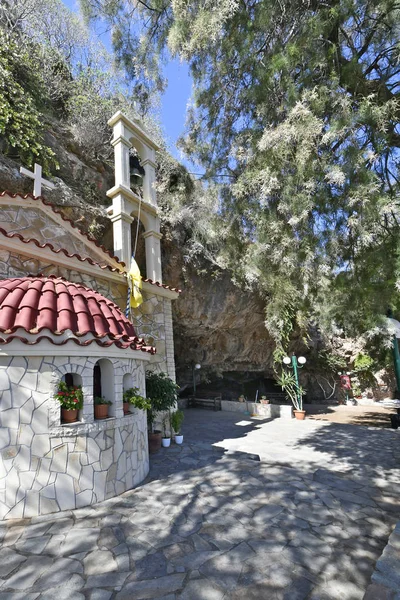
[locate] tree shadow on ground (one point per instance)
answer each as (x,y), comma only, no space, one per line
(375,450)
(231,529)
(203,430)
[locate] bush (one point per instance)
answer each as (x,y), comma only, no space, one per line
(162,392)
(133,397)
(177,420)
(20,120)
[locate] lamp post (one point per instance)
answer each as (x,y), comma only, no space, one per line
(296,364)
(195,368)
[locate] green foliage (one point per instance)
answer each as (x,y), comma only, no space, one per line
(69,397)
(177,418)
(294,392)
(161,390)
(364,366)
(132,396)
(100,400)
(298,109)
(21,123)
(363,362)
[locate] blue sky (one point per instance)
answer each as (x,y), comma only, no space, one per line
(174,100)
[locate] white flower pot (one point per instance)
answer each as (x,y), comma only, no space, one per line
(178,439)
(166,442)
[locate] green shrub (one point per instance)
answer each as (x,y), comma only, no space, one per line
(177,418)
(21,123)
(133,397)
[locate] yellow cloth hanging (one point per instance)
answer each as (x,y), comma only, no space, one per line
(135,285)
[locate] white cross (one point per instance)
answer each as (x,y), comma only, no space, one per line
(38,180)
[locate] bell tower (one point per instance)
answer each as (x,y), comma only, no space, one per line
(126,204)
(153,318)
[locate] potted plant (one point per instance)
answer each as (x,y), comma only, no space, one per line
(101,407)
(295,393)
(166,438)
(71,401)
(242,398)
(176,423)
(162,392)
(132,397)
(264,400)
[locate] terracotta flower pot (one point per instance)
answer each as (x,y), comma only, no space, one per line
(300,414)
(101,411)
(126,408)
(154,441)
(69,415)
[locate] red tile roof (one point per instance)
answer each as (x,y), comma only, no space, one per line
(52,304)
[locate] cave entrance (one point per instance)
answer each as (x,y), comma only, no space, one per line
(233,384)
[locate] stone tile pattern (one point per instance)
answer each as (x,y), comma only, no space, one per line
(386,577)
(153,321)
(35,223)
(209,526)
(46,467)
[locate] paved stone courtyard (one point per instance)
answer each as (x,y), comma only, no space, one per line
(307,521)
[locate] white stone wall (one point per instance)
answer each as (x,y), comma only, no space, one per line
(268,411)
(153,321)
(47,467)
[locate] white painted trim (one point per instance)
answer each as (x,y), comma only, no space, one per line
(159,291)
(46,348)
(127,192)
(134,127)
(151,232)
(45,254)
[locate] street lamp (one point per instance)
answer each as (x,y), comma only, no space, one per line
(296,364)
(195,368)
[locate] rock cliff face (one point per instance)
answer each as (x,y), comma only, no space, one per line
(216,324)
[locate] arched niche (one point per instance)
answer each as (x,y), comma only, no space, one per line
(127,382)
(103,382)
(73,380)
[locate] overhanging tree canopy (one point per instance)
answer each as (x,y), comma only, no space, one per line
(297,103)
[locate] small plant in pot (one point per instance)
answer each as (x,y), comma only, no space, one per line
(162,392)
(166,438)
(132,397)
(294,392)
(101,407)
(71,401)
(176,423)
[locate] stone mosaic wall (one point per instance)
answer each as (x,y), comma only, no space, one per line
(47,467)
(153,321)
(35,223)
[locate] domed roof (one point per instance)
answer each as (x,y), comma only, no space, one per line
(59,311)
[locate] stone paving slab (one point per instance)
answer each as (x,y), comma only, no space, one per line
(309,521)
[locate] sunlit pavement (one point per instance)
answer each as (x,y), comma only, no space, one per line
(308,520)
